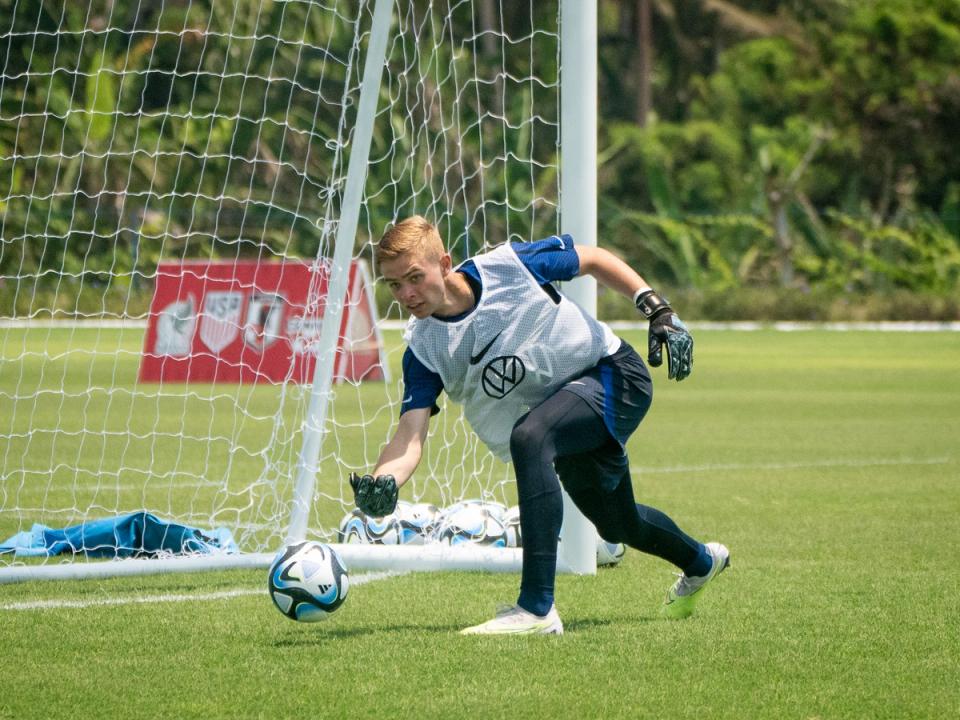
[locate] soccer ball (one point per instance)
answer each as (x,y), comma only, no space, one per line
(409,524)
(353,528)
(415,521)
(472,523)
(359,528)
(511,526)
(308,581)
(497,510)
(609,553)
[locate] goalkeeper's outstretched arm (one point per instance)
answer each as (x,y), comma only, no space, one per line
(609,270)
(666,328)
(401,455)
(376,494)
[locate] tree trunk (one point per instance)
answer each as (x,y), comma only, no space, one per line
(781,231)
(644,61)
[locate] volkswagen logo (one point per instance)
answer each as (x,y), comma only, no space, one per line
(503,374)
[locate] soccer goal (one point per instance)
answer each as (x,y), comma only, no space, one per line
(149,146)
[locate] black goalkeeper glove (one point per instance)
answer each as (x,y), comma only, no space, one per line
(375,496)
(666,327)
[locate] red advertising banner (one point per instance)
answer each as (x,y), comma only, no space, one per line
(249,321)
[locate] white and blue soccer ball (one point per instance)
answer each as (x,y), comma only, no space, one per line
(308,581)
(356,527)
(416,521)
(609,553)
(409,524)
(497,510)
(353,528)
(471,523)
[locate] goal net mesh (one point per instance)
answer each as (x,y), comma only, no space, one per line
(138,133)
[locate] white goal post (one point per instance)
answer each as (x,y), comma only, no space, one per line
(292,131)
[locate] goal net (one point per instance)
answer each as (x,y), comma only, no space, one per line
(148,141)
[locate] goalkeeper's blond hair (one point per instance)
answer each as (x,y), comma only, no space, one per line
(413,236)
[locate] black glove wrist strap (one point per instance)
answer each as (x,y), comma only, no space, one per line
(651,305)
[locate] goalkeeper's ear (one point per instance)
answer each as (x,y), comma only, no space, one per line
(446,264)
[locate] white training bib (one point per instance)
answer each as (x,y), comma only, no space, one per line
(514,350)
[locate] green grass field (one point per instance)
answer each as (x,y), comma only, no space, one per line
(826,461)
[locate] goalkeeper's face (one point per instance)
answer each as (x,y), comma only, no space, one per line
(418,282)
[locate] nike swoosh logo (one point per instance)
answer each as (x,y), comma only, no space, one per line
(474,359)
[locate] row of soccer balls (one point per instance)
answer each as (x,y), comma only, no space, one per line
(476,522)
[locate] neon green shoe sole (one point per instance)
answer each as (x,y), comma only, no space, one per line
(682,598)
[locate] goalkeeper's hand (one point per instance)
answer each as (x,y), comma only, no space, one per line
(666,328)
(375,496)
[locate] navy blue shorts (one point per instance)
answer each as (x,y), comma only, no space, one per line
(619,390)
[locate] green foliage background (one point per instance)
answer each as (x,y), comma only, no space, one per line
(796,160)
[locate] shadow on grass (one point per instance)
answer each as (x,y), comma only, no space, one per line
(325,634)
(587,623)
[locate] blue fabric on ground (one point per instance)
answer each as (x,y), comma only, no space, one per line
(138,534)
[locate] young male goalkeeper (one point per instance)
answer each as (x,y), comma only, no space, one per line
(544,385)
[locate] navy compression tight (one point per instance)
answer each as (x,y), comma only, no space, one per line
(564,431)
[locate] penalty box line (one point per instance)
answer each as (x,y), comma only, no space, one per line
(714,467)
(172,597)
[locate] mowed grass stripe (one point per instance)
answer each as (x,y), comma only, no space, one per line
(841,601)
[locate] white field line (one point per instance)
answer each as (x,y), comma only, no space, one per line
(793,326)
(869,462)
(171,597)
(106,487)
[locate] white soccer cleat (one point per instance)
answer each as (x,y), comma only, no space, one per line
(683,596)
(514,620)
